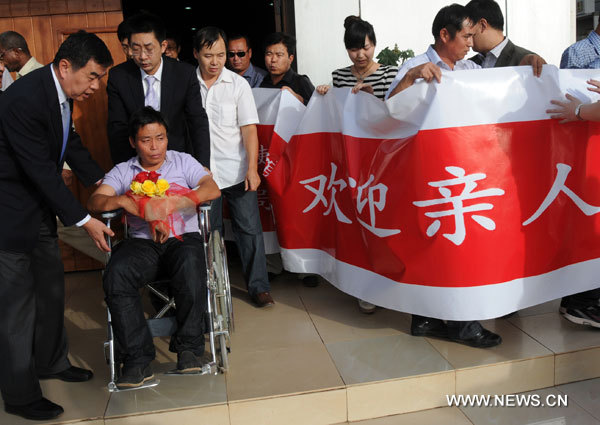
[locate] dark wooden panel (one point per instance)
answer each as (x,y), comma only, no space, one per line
(43,45)
(4,8)
(39,7)
(113,19)
(58,7)
(19,8)
(6,24)
(96,20)
(112,5)
(94,6)
(24,26)
(76,6)
(78,21)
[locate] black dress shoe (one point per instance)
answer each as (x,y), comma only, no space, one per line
(72,374)
(426,326)
(483,339)
(40,410)
(310,281)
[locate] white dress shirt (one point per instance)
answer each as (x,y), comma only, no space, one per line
(429,56)
(229,104)
(158,76)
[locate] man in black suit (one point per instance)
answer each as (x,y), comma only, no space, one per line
(152,79)
(36,137)
(495,50)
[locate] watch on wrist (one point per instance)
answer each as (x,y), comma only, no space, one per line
(578,111)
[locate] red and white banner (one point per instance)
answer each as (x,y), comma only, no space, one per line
(458,200)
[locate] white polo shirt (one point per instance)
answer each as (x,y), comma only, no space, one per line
(229,104)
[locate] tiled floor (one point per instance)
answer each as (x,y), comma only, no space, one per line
(314,359)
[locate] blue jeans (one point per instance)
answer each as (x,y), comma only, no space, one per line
(247,230)
(136,262)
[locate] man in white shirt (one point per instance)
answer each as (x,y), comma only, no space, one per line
(15,54)
(453,32)
(229,104)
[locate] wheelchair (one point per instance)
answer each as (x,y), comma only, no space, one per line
(220,308)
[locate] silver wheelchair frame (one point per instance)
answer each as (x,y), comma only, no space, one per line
(220,307)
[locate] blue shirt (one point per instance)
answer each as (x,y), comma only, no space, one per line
(180,168)
(254,75)
(585,54)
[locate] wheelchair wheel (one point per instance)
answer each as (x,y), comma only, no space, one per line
(223,303)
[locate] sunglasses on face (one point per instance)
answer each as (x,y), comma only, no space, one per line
(238,54)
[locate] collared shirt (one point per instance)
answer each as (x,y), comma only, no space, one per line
(585,54)
(31,65)
(490,58)
(299,83)
(180,168)
(254,75)
(62,96)
(429,56)
(229,104)
(158,76)
(7,79)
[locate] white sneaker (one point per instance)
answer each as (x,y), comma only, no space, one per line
(366,307)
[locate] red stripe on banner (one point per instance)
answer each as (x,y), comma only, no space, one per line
(509,169)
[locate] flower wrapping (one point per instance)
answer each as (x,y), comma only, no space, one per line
(161,203)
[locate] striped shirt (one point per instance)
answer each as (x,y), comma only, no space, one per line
(380,80)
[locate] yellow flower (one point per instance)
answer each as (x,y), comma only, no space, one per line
(149,188)
(162,186)
(136,187)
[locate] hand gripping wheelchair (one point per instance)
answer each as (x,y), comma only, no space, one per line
(220,309)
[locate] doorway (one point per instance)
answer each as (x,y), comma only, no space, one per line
(256,19)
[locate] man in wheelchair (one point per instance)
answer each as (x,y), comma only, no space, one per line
(165,242)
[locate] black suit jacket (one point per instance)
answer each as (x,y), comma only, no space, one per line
(511,55)
(180,104)
(31,137)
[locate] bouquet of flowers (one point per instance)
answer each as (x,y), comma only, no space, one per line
(160,203)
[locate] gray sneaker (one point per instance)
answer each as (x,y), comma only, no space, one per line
(188,362)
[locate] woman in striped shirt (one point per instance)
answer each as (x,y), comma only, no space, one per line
(364,73)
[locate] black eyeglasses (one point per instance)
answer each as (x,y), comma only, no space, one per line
(238,54)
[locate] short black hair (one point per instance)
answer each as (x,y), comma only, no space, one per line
(13,40)
(278,37)
(237,36)
(145,22)
(356,32)
(123,31)
(172,35)
(488,10)
(81,47)
(450,17)
(208,36)
(144,116)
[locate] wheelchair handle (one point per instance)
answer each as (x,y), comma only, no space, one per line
(112,214)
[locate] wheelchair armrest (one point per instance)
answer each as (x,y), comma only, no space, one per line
(205,206)
(112,214)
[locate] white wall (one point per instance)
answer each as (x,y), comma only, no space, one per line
(544,26)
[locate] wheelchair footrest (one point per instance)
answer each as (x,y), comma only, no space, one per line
(208,368)
(112,387)
(165,326)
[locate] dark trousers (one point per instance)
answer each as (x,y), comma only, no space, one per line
(582,299)
(247,230)
(33,339)
(456,329)
(136,262)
